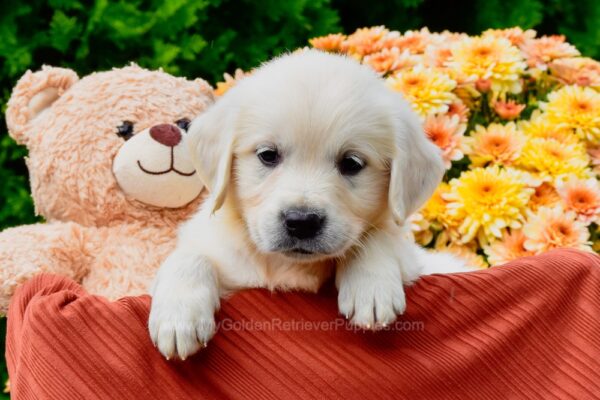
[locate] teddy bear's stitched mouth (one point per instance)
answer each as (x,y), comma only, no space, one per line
(165,171)
(171,168)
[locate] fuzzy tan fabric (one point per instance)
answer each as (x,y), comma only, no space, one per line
(95,233)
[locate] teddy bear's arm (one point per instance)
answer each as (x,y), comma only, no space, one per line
(29,250)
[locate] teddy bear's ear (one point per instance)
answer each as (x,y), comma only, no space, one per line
(34,94)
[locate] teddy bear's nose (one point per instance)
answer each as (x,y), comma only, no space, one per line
(166,134)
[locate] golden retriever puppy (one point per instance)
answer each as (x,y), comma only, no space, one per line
(313,167)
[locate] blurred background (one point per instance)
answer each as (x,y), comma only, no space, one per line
(205,38)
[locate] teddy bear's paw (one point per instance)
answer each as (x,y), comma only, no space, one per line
(181,325)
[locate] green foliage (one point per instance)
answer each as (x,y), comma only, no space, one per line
(205,38)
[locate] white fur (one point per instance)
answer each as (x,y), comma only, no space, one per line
(315,108)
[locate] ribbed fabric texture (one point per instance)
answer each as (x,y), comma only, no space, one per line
(527,330)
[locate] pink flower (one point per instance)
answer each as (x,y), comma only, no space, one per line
(390,60)
(510,247)
(579,71)
(446,131)
(508,109)
(582,197)
(553,228)
(539,52)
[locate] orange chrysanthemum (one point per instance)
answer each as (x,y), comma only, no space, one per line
(390,60)
(508,109)
(539,52)
(553,228)
(447,133)
(510,247)
(365,41)
(496,144)
(545,195)
(331,42)
(516,35)
(580,71)
(459,109)
(582,197)
(230,81)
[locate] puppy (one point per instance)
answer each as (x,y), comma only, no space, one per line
(313,167)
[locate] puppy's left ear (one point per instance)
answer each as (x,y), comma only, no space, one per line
(417,167)
(210,139)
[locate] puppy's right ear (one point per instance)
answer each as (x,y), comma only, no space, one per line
(33,95)
(210,139)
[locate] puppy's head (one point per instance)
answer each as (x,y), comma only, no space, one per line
(314,151)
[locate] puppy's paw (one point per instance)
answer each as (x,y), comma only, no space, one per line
(182,323)
(371,302)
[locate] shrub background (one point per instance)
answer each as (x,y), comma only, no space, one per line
(205,38)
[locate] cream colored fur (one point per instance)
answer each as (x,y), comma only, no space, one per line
(314,108)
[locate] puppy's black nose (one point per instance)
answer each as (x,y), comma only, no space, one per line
(302,223)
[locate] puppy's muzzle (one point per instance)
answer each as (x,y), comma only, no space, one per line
(302,223)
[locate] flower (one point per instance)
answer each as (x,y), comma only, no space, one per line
(515,35)
(582,197)
(436,209)
(331,42)
(553,159)
(490,58)
(539,127)
(594,153)
(364,41)
(539,52)
(576,108)
(581,71)
(467,255)
(413,41)
(552,228)
(508,109)
(488,200)
(459,109)
(545,195)
(446,131)
(426,89)
(497,144)
(420,229)
(510,247)
(230,81)
(390,60)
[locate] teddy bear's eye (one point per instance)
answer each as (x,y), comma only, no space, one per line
(183,123)
(125,130)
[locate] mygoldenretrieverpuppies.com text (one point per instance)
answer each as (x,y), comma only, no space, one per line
(277,324)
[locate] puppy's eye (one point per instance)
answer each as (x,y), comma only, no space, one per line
(350,165)
(183,123)
(125,130)
(268,156)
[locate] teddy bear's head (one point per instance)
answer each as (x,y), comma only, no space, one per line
(108,148)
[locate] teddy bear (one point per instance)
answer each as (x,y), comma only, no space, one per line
(110,175)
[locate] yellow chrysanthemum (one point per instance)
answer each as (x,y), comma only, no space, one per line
(428,90)
(419,227)
(552,159)
(497,144)
(490,58)
(575,108)
(488,200)
(538,126)
(436,209)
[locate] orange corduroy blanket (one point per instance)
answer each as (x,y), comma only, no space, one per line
(526,330)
